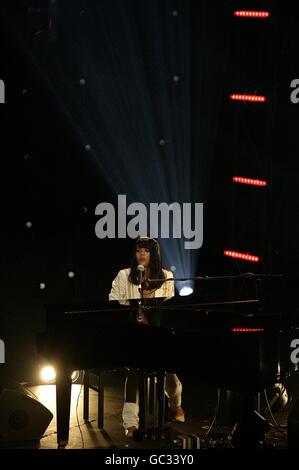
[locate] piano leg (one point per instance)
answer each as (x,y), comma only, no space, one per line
(63,404)
(86,395)
(100,401)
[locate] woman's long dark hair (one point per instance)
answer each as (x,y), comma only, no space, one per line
(155,265)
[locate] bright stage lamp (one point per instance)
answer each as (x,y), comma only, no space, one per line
(48,374)
(186,290)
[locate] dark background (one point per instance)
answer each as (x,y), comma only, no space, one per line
(152,138)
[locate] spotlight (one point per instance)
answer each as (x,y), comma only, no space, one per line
(71,274)
(184,288)
(75,376)
(28,224)
(42,286)
(176,78)
(87,147)
(175,13)
(82,81)
(48,374)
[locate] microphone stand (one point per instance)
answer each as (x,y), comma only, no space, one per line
(140,314)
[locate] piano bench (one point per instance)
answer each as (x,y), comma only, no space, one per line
(99,387)
(152,398)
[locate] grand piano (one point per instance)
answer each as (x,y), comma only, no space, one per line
(232,344)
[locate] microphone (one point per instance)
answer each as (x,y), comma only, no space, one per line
(140,271)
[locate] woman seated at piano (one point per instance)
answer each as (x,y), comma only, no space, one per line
(129,286)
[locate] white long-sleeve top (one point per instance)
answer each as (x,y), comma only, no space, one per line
(123,290)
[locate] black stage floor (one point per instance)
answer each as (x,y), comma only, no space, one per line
(213,426)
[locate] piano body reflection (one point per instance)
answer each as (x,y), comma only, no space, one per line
(232,349)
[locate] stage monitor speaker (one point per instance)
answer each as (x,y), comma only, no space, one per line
(22,416)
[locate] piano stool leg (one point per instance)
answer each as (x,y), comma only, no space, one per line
(142,401)
(63,404)
(151,394)
(86,395)
(161,384)
(258,402)
(100,401)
